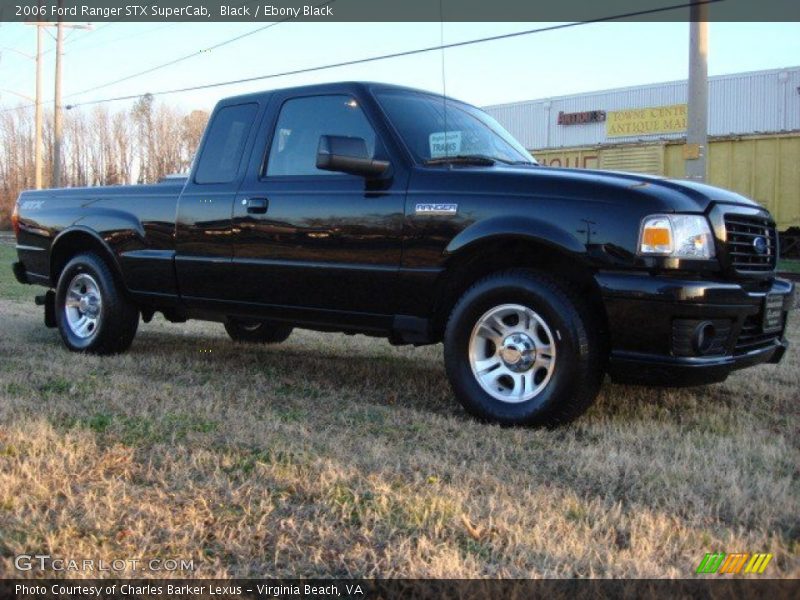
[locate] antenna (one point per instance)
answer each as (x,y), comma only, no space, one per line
(444,82)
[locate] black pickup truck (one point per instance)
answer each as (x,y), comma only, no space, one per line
(381,210)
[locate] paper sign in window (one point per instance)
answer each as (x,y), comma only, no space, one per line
(445,143)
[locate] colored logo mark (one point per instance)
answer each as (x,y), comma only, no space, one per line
(721,563)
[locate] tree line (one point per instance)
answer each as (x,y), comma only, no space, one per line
(100,146)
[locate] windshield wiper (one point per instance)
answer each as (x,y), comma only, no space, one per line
(473,159)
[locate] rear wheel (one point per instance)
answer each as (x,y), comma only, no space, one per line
(92,312)
(257,332)
(521,349)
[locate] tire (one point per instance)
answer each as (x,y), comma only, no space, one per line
(93,314)
(520,349)
(257,332)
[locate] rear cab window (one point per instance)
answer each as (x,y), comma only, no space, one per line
(224,145)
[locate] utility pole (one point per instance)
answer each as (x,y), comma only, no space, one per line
(57,108)
(57,101)
(37,102)
(37,146)
(697,119)
(38,163)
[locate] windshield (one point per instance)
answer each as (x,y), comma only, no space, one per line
(434,131)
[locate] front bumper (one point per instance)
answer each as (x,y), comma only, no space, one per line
(648,315)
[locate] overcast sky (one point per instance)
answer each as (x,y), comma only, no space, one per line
(580,59)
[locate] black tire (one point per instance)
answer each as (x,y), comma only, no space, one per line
(257,332)
(574,381)
(116,320)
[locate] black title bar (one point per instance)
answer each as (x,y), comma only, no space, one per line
(203,11)
(386,589)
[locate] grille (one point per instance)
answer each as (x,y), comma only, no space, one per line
(742,231)
(751,337)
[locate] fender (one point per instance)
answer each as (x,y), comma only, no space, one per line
(109,220)
(83,229)
(515,227)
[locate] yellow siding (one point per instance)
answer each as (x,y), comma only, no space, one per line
(584,158)
(636,159)
(765,168)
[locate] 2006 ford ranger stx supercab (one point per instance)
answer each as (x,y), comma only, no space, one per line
(381,210)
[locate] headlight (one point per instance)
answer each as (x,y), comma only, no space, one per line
(676,236)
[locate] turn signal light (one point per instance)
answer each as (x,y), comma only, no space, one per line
(15,220)
(656,236)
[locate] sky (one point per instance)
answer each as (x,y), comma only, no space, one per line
(575,60)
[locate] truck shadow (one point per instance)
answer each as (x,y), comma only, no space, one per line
(337,372)
(340,371)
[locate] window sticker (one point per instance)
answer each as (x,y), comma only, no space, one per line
(445,143)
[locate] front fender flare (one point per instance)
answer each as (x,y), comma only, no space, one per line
(507,227)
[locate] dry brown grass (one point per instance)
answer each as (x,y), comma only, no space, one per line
(338,456)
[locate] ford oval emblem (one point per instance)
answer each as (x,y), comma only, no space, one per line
(760,245)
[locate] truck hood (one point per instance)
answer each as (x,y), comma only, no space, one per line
(701,193)
(667,195)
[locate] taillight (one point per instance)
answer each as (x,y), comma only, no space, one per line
(15,220)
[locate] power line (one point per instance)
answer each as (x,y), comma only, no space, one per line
(17,39)
(172,62)
(359,61)
(123,38)
(526,32)
(68,40)
(192,55)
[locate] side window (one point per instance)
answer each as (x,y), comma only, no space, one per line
(301,123)
(224,144)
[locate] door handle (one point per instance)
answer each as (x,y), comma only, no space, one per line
(256,206)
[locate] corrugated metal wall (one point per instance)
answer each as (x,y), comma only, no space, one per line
(764,168)
(637,159)
(743,103)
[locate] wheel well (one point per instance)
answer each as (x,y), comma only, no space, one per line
(482,259)
(76,242)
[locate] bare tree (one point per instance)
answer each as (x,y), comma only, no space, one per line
(194,124)
(101,147)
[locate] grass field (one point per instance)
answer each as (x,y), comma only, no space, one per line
(789,266)
(343,456)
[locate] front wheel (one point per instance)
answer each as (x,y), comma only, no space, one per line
(93,313)
(522,350)
(257,332)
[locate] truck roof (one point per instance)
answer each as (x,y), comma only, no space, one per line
(331,87)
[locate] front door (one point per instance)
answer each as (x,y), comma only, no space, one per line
(313,239)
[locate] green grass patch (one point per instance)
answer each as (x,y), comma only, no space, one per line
(10,288)
(280,461)
(135,430)
(55,387)
(789,266)
(171,428)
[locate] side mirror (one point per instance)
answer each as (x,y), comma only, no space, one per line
(348,155)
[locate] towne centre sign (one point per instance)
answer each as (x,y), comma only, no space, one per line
(632,122)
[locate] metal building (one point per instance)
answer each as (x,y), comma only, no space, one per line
(754,133)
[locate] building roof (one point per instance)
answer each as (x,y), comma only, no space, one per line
(765,101)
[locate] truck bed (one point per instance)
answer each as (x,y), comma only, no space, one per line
(138,219)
